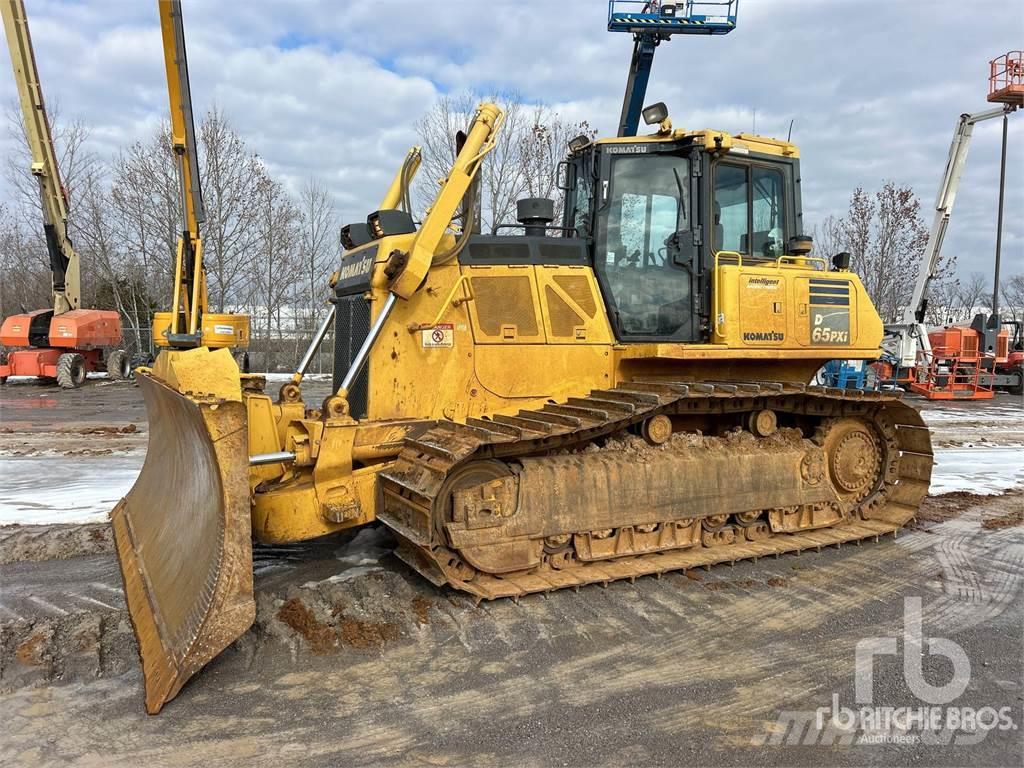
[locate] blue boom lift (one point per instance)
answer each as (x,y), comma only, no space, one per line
(650,22)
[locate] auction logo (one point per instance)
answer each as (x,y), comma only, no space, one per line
(928,722)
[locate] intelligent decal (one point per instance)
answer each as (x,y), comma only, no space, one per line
(763,283)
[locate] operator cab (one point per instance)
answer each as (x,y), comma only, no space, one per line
(657,209)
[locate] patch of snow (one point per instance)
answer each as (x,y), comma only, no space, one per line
(366,548)
(975,410)
(66,489)
(346,575)
(360,556)
(986,471)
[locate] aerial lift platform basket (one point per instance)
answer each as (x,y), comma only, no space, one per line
(1006,79)
(650,22)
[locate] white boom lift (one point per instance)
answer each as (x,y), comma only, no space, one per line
(905,340)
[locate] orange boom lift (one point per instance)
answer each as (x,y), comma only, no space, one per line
(64,342)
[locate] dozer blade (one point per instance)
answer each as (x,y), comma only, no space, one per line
(183,531)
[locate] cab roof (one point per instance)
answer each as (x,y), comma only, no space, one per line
(715,140)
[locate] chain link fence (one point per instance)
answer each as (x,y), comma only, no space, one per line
(270,355)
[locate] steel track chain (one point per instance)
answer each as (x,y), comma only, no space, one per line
(412,486)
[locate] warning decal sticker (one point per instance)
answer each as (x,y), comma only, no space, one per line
(441,335)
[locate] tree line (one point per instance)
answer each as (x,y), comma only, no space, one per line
(886,238)
(269,252)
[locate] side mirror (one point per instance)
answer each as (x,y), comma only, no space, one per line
(562,176)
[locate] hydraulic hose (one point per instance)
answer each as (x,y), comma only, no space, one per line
(469,221)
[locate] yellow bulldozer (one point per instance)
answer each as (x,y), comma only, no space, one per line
(621,393)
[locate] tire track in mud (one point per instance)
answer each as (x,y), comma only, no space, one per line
(634,657)
(33,543)
(982,574)
(639,632)
(63,620)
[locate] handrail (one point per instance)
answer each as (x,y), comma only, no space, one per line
(1006,71)
(717,319)
(800,261)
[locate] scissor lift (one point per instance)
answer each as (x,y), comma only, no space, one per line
(650,22)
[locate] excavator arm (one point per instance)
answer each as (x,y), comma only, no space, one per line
(64,265)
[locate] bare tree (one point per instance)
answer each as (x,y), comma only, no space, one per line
(1012,305)
(75,160)
(262,250)
(275,274)
(502,177)
(524,162)
(828,237)
(943,302)
(885,237)
(317,243)
(146,204)
(973,296)
(25,283)
(542,147)
(231,177)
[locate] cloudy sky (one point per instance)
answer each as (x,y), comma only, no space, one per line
(331,89)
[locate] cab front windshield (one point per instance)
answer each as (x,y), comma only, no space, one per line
(648,205)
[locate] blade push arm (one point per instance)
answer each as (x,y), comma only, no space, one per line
(406,270)
(396,196)
(64,265)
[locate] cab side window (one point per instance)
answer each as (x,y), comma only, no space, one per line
(732,209)
(749,210)
(767,210)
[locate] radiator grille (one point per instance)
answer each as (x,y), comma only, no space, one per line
(577,287)
(563,318)
(351,327)
(505,301)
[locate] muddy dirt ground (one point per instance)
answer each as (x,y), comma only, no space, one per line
(354,660)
